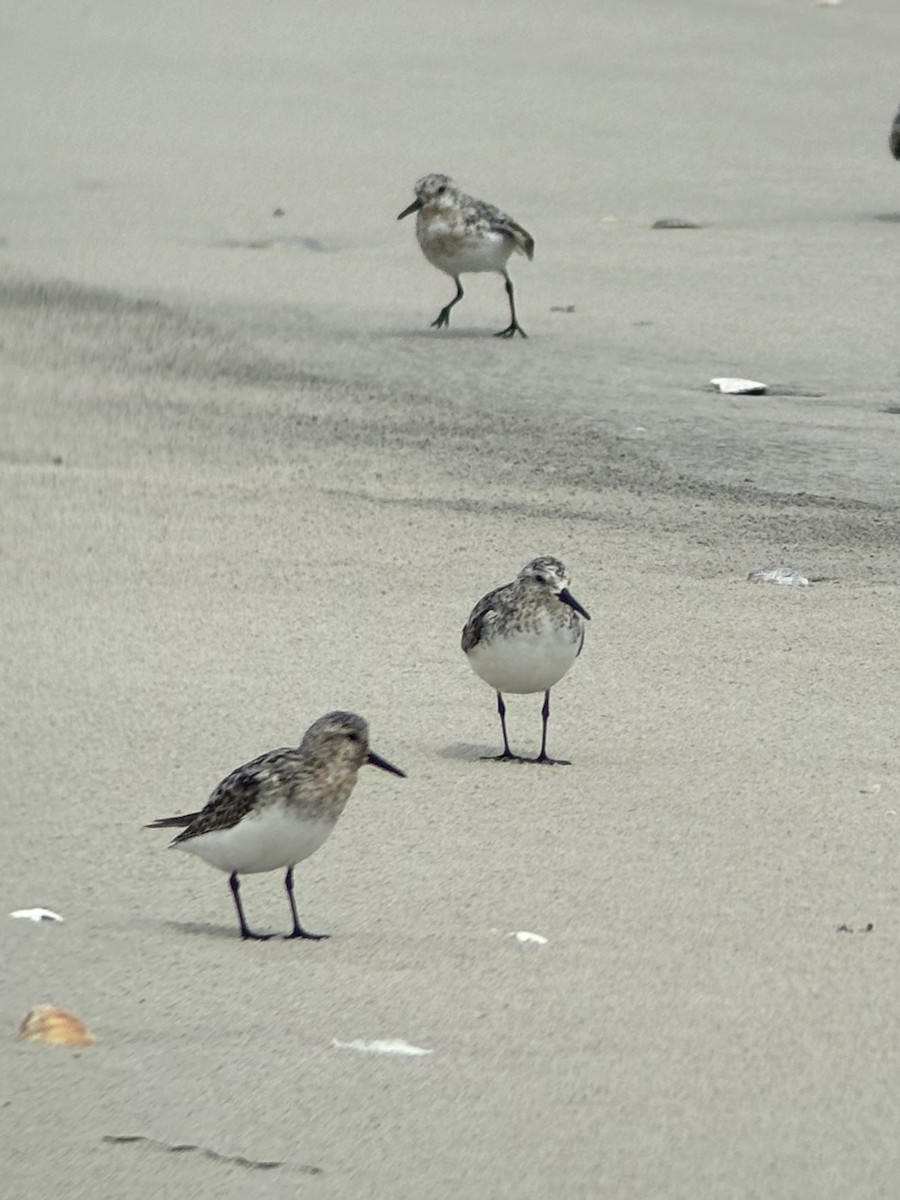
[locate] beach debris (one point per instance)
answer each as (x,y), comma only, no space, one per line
(738,387)
(55,1027)
(278,212)
(236,1160)
(828,3)
(395,1046)
(870,791)
(849,929)
(675,223)
(778,573)
(35,914)
(524,938)
(565,308)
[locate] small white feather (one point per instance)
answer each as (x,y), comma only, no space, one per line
(381,1046)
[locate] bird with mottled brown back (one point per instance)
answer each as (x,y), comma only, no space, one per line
(278,809)
(459,234)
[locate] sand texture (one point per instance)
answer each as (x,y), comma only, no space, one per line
(243,483)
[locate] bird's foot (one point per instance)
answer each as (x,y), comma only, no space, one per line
(249,936)
(302,933)
(551,762)
(442,319)
(511,330)
(506,756)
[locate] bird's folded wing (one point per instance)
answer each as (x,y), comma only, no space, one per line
(480,620)
(237,794)
(523,240)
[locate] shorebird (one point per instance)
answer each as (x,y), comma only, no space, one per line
(278,809)
(460,234)
(894,139)
(523,637)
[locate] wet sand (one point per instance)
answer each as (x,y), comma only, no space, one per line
(242,486)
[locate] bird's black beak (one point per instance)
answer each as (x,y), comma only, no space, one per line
(414,207)
(567,598)
(377,761)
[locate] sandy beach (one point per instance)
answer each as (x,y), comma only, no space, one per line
(243,483)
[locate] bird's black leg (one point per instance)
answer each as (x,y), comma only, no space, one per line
(246,932)
(298,931)
(443,317)
(543,757)
(507,755)
(513,327)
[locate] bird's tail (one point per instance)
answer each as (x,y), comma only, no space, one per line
(179,822)
(523,242)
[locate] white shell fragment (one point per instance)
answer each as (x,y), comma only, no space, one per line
(739,387)
(35,914)
(782,575)
(524,938)
(395,1046)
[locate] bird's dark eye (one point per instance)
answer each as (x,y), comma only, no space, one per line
(541,578)
(441,191)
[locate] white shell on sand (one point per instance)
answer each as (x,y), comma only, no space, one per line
(524,938)
(382,1046)
(35,914)
(739,387)
(783,575)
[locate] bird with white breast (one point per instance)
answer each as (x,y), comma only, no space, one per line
(459,234)
(523,637)
(277,810)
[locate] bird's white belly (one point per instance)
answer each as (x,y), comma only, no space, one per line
(526,662)
(275,837)
(456,254)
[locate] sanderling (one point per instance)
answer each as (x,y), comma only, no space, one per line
(523,637)
(278,809)
(458,233)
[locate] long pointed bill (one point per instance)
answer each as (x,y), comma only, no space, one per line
(414,207)
(567,598)
(377,761)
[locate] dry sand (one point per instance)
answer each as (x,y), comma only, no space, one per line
(242,483)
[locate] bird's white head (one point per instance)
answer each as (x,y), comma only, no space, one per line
(549,573)
(433,192)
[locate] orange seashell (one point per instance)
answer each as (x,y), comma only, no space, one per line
(56,1027)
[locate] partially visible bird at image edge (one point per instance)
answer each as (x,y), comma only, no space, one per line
(459,234)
